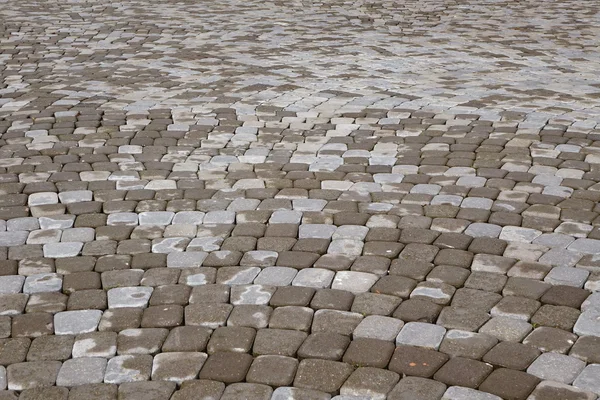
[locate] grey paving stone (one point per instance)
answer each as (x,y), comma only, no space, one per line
(284,393)
(421,334)
(586,246)
(567,276)
(556,390)
(483,230)
(3,382)
(62,250)
(463,393)
(378,327)
(316,231)
(41,283)
(11,284)
(76,322)
(155,218)
(588,379)
(128,368)
(355,282)
(14,238)
(556,367)
(81,371)
(190,259)
(507,329)
(314,278)
(177,366)
(276,276)
(129,297)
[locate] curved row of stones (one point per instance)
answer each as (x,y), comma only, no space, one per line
(451,260)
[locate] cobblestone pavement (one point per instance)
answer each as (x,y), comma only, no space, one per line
(299,200)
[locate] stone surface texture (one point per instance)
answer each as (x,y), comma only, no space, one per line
(299,199)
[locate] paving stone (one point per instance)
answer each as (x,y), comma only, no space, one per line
(41,283)
(512,355)
(76,322)
(332,299)
(120,319)
(506,329)
(96,344)
(463,393)
(419,310)
(378,327)
(462,318)
(323,375)
(370,382)
(129,297)
(421,334)
(291,317)
(556,367)
(507,383)
(81,371)
(45,393)
(276,276)
(226,367)
(417,361)
(551,339)
(467,344)
(278,342)
(141,341)
(143,390)
(209,389)
(588,323)
(299,393)
(28,375)
(128,368)
(272,370)
(251,294)
(515,307)
(412,387)
(177,366)
(48,347)
(328,346)
(11,284)
(554,390)
(101,391)
(314,277)
(247,391)
(460,371)
(567,276)
(587,379)
(341,322)
(32,325)
(238,339)
(556,316)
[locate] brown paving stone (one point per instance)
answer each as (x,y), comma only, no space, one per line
(509,384)
(511,355)
(324,375)
(460,371)
(227,367)
(417,361)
